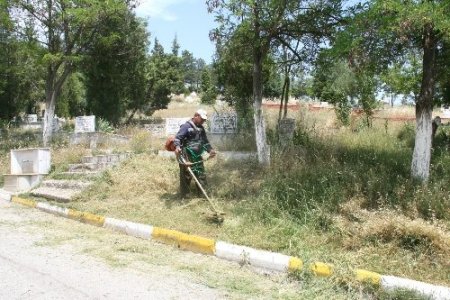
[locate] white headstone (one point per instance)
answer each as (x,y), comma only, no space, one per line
(31,118)
(224,123)
(173,124)
(446,112)
(85,124)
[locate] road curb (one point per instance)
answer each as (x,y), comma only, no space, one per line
(241,254)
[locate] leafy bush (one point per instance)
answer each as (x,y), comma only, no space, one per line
(103,125)
(209,96)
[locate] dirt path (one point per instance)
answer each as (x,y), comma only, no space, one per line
(31,271)
(47,257)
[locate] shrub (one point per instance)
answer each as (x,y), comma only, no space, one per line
(140,142)
(103,125)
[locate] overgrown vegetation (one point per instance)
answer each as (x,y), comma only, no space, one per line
(342,195)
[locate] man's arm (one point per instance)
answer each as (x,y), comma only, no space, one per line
(180,137)
(208,146)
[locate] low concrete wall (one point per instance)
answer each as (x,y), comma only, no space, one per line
(92,139)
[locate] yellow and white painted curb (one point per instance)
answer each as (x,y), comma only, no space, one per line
(5,195)
(241,254)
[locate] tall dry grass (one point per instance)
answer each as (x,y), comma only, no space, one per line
(337,194)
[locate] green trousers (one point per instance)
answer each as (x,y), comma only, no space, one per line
(185,177)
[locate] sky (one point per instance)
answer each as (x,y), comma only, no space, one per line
(188,20)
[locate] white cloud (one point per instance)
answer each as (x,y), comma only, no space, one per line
(159,9)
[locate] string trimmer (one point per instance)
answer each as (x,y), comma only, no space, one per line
(217,216)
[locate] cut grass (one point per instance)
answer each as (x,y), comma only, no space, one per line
(143,190)
(338,195)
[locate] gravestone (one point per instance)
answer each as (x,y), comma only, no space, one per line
(155,129)
(31,118)
(57,123)
(224,123)
(85,124)
(286,129)
(173,124)
(445,112)
(30,122)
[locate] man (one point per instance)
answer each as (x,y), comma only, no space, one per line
(191,142)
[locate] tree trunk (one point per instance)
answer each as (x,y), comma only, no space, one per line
(286,95)
(131,116)
(281,102)
(49,114)
(260,128)
(420,165)
(50,101)
(52,90)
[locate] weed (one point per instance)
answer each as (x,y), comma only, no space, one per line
(407,134)
(400,295)
(140,142)
(17,138)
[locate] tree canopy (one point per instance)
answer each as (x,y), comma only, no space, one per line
(267,25)
(83,57)
(392,31)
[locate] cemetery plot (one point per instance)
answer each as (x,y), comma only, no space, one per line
(85,124)
(224,123)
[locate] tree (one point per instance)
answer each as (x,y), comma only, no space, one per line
(264,25)
(443,65)
(161,78)
(66,29)
(188,66)
(402,77)
(393,28)
(73,97)
(175,72)
(20,74)
(207,87)
(115,68)
(235,77)
(175,46)
(336,83)
(200,65)
(302,85)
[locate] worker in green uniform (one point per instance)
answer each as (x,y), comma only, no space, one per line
(191,142)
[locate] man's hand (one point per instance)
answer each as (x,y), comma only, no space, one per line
(212,153)
(177,151)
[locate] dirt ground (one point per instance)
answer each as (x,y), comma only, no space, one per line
(48,257)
